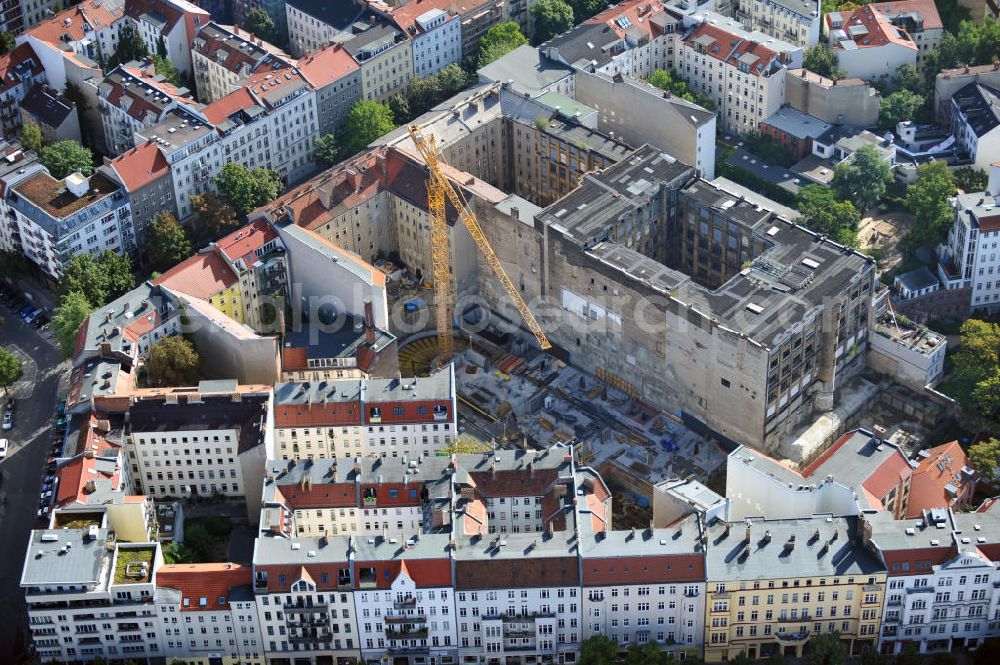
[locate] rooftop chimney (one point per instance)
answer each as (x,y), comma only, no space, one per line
(77,184)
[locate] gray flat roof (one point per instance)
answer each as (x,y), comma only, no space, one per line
(527,70)
(681,538)
(64,556)
(797,124)
(921,278)
(833,553)
(779,175)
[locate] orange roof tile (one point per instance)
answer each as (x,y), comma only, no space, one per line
(943,467)
(202,276)
(637,12)
(221,109)
(140,166)
(245,242)
(93,13)
(17,65)
(718,44)
(878,29)
(211,582)
(926,8)
(323,67)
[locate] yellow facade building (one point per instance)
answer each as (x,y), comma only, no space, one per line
(208,277)
(773,585)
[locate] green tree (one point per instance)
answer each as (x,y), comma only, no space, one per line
(977,363)
(909,655)
(7,42)
(500,40)
(826,649)
(12,264)
(366,122)
(970,179)
(871,656)
(31,137)
(584,9)
(73,309)
(400,109)
(824,213)
(101,279)
(598,650)
(130,47)
(10,370)
(177,553)
(247,189)
(423,93)
(260,23)
(172,362)
(326,150)
(908,77)
(65,157)
(822,60)
(551,17)
(986,395)
(453,79)
(167,70)
(900,106)
(166,242)
(161,47)
(928,199)
(862,178)
(214,218)
(662,79)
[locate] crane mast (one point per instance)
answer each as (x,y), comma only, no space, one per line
(440,188)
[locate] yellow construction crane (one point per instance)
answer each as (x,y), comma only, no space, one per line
(438,188)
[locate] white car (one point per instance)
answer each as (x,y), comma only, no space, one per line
(8,419)
(3,448)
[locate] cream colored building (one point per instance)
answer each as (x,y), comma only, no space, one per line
(773,585)
(224,56)
(386,59)
(795,21)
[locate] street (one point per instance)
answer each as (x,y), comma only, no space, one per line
(21,470)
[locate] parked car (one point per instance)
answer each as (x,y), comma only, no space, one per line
(3,448)
(41,321)
(43,512)
(45,497)
(34,315)
(8,419)
(24,310)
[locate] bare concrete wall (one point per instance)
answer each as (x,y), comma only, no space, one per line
(846,102)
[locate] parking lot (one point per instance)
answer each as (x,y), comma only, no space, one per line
(31,438)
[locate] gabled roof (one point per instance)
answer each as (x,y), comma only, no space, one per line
(323,67)
(203,275)
(865,27)
(45,104)
(86,17)
(19,64)
(141,95)
(220,110)
(941,479)
(732,49)
(246,242)
(236,49)
(203,587)
(140,166)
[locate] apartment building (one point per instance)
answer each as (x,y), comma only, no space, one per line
(270,122)
(208,277)
(646,585)
(144,174)
(58,219)
(55,115)
(867,43)
(223,57)
(313,24)
(774,584)
(633,38)
(256,255)
(434,26)
(746,81)
(167,27)
(975,122)
(414,417)
(943,479)
(132,99)
(385,60)
(205,441)
(207,614)
(90,592)
(304,590)
(969,260)
(859,471)
(795,21)
(941,591)
(335,76)
(21,69)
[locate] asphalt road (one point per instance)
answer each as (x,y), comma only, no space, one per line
(21,471)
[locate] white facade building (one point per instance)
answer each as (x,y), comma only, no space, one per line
(795,21)
(437,42)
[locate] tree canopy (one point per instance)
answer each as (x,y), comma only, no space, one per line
(863,178)
(367,121)
(131,46)
(400,108)
(975,382)
(326,150)
(73,309)
(172,362)
(167,70)
(900,106)
(500,40)
(213,218)
(31,137)
(10,369)
(7,42)
(246,189)
(826,649)
(970,179)
(260,23)
(985,458)
(928,199)
(822,60)
(663,80)
(423,93)
(824,213)
(100,279)
(166,243)
(65,157)
(551,18)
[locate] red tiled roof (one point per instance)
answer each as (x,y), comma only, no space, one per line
(887,475)
(720,47)
(21,59)
(323,414)
(942,468)
(935,556)
(323,67)
(926,8)
(245,242)
(212,582)
(333,495)
(878,29)
(294,358)
(202,276)
(293,572)
(94,13)
(221,109)
(636,12)
(643,569)
(513,482)
(989,224)
(517,573)
(423,572)
(140,166)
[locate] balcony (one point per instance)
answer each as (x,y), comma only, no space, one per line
(920,589)
(799,636)
(691,593)
(316,637)
(405,633)
(405,618)
(306,609)
(800,619)
(405,603)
